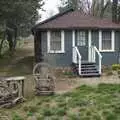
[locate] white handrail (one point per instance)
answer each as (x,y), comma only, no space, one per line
(75,60)
(100,59)
(98,51)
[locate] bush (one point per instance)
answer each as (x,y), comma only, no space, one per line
(48,112)
(17,117)
(119,72)
(31,109)
(116,67)
(60,111)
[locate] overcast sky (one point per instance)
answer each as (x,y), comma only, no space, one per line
(50,7)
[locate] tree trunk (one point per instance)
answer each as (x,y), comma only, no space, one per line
(119,14)
(38,47)
(15,38)
(114,11)
(10,41)
(1,44)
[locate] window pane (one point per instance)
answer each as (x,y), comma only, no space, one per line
(106,41)
(55,41)
(81,38)
(106,45)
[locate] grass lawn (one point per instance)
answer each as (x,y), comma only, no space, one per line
(84,103)
(100,102)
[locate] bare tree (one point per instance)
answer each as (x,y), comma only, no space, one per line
(115,11)
(94,7)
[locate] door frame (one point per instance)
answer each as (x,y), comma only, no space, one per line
(89,44)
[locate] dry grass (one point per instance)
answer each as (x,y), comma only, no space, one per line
(83,103)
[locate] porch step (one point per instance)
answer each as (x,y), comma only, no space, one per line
(91,75)
(88,63)
(88,69)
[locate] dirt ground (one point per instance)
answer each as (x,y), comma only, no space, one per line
(63,84)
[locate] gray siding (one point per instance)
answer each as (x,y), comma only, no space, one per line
(109,58)
(65,59)
(58,59)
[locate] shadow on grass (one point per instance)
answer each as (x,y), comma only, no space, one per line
(23,66)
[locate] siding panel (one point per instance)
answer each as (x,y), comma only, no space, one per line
(61,59)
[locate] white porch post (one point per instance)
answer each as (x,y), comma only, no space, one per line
(63,40)
(73,38)
(100,48)
(74,56)
(113,40)
(100,40)
(48,41)
(89,46)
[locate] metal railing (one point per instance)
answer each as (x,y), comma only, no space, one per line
(94,50)
(77,58)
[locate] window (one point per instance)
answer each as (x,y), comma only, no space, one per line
(107,39)
(81,38)
(56,41)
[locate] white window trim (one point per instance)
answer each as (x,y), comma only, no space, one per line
(62,43)
(112,43)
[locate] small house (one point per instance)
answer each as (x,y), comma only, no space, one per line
(85,41)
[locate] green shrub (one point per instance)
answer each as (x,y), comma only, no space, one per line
(62,104)
(111,116)
(47,112)
(31,109)
(74,117)
(29,114)
(118,72)
(116,67)
(60,111)
(17,117)
(55,118)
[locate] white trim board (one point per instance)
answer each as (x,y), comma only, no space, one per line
(89,45)
(73,38)
(62,43)
(112,42)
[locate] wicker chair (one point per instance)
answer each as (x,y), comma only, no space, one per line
(44,79)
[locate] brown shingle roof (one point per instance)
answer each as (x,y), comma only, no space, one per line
(74,19)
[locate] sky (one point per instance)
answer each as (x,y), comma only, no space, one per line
(50,8)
